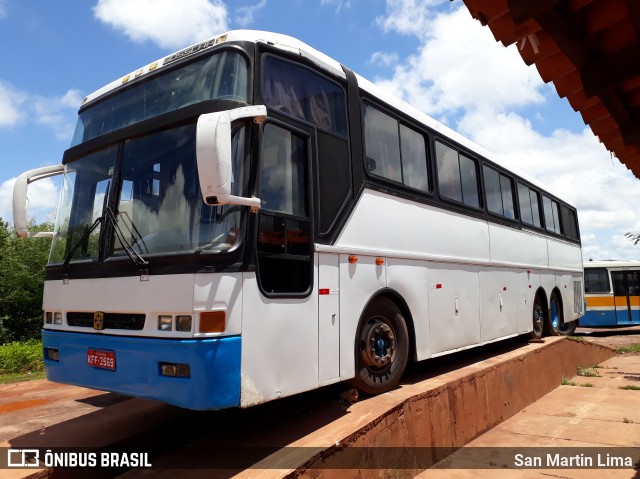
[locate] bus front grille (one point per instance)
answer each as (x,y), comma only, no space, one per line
(126,321)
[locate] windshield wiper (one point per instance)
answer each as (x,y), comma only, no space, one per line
(126,246)
(65,265)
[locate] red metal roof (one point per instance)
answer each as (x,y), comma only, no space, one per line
(590,50)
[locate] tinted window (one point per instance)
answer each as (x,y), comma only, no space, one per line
(219,76)
(535,208)
(469,178)
(394,151)
(414,159)
(382,145)
(282,172)
(448,172)
(524,201)
(499,192)
(304,94)
(570,222)
(457,176)
(596,280)
(551,215)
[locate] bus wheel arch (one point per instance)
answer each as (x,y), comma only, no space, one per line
(539,314)
(382,344)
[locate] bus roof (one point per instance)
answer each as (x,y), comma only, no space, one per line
(612,264)
(293,45)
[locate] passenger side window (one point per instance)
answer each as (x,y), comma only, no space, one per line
(596,280)
(302,93)
(499,191)
(395,151)
(551,215)
(529,206)
(382,145)
(457,176)
(570,222)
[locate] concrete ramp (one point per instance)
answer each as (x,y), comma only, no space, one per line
(419,424)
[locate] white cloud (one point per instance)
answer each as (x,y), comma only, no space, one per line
(340,4)
(42,197)
(245,15)
(58,113)
(462,76)
(409,17)
(11,102)
(384,59)
(457,71)
(169,24)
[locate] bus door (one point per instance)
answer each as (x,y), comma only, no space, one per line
(626,292)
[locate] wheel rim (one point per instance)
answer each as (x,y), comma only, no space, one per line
(538,317)
(379,344)
(555,319)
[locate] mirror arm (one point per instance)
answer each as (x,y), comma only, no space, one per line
(20,199)
(213,142)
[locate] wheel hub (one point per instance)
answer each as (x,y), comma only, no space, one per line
(379,344)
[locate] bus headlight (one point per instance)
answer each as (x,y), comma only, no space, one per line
(165,322)
(184,322)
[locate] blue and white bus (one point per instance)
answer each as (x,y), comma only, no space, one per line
(612,293)
(247,219)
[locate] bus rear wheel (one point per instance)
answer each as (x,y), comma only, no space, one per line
(538,318)
(382,348)
(567,329)
(552,327)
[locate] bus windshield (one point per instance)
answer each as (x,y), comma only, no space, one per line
(219,76)
(154,194)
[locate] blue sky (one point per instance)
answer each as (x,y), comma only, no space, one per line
(429,52)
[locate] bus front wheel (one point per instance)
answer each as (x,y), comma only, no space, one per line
(382,348)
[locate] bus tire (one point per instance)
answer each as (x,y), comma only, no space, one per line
(552,327)
(538,318)
(567,329)
(381,348)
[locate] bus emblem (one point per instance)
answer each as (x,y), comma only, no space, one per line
(98,320)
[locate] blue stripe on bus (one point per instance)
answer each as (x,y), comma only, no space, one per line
(214,364)
(598,318)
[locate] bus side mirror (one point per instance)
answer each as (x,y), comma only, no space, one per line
(214,155)
(20,199)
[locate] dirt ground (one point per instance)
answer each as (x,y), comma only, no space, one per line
(610,337)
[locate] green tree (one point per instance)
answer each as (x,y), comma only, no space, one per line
(22,275)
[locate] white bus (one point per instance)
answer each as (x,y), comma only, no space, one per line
(247,219)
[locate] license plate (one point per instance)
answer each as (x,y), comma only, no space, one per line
(101,359)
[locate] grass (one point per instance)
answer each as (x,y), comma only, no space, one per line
(21,377)
(21,361)
(630,388)
(634,348)
(586,385)
(575,338)
(566,382)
